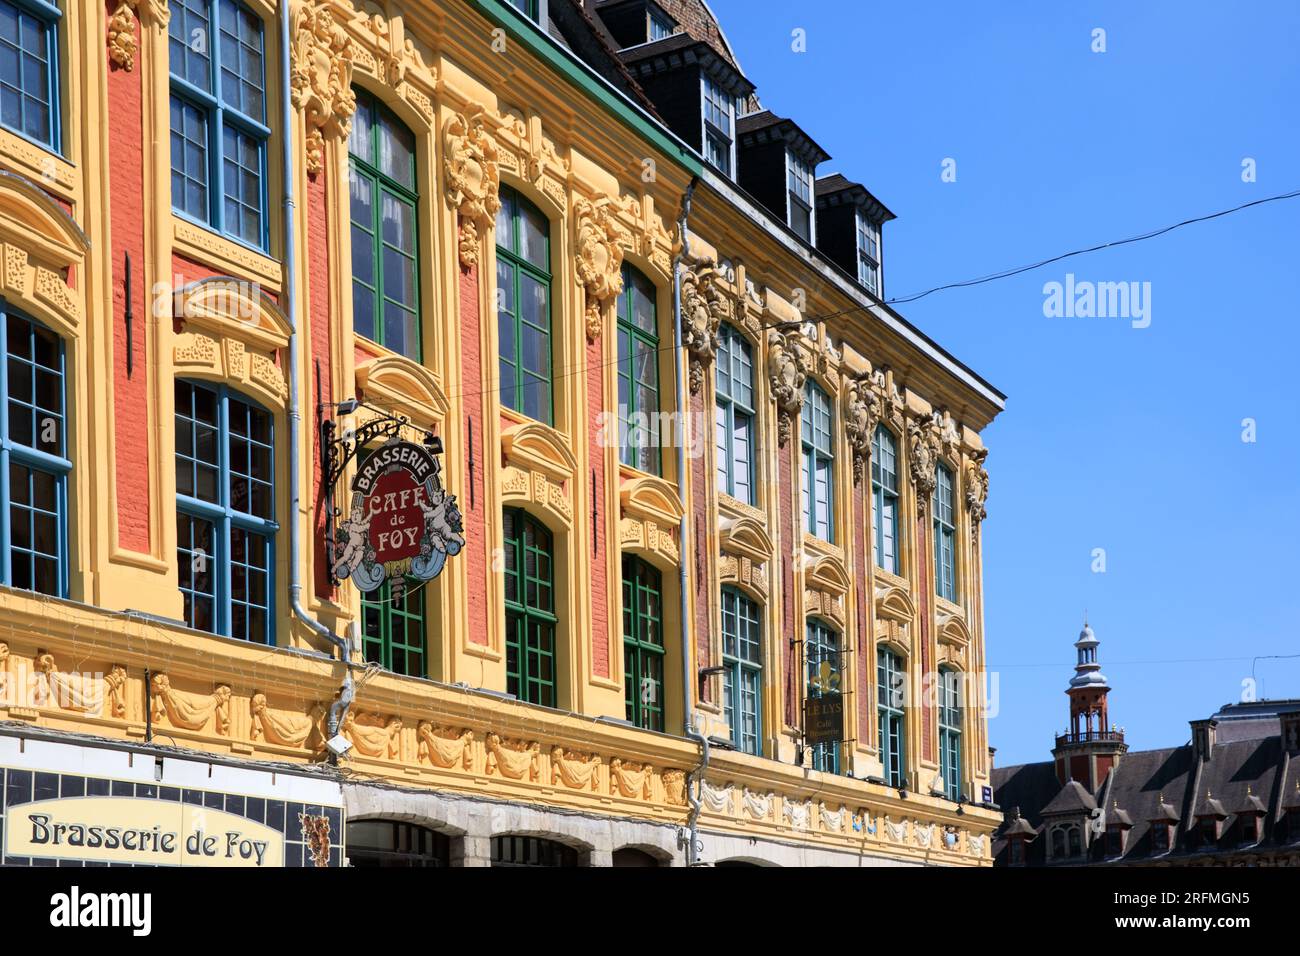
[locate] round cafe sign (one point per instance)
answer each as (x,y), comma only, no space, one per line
(402,524)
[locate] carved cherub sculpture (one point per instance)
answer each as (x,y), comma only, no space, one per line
(357,530)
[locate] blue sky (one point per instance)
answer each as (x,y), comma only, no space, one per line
(1114,437)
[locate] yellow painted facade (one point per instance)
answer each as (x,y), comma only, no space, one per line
(486,106)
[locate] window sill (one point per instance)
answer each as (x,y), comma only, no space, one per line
(225,255)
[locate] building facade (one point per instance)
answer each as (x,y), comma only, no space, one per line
(695,487)
(1228,797)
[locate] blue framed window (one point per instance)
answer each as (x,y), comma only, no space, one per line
(29,70)
(884,499)
(950,714)
(529,8)
(719,110)
(218,117)
(385,269)
(735,415)
(945,535)
(638,373)
(34,465)
(742,678)
(225,511)
(891,697)
(661,28)
(818,463)
(822,661)
(524,306)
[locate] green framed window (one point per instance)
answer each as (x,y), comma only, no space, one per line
(34,463)
(638,373)
(742,679)
(950,714)
(530,609)
(823,665)
(884,499)
(643,644)
(392,631)
(735,415)
(385,248)
(524,307)
(891,689)
(818,462)
(945,535)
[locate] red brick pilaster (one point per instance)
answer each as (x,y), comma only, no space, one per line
(473,501)
(316,265)
(598,556)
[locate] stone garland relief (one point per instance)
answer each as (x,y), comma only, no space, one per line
(282,728)
(473,178)
(705,305)
(321,79)
(190,711)
(599,260)
(577,771)
(628,779)
(787,373)
(513,759)
(122,44)
(374,735)
(445,747)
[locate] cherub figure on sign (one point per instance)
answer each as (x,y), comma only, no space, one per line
(357,531)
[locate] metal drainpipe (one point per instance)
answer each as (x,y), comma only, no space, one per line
(694,786)
(348,690)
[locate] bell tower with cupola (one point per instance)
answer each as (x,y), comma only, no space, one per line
(1090,747)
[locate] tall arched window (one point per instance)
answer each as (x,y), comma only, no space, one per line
(822,659)
(950,721)
(29,69)
(385,248)
(638,372)
(818,462)
(393,631)
(742,678)
(735,415)
(524,306)
(945,535)
(891,689)
(225,517)
(884,498)
(218,117)
(643,644)
(33,458)
(530,609)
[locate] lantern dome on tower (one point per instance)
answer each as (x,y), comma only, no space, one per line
(1087,671)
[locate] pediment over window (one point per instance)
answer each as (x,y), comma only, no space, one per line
(234,308)
(953,630)
(895,604)
(651,498)
(746,538)
(828,574)
(535,447)
(40,246)
(400,385)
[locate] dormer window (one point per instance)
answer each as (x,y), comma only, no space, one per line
(1114,841)
(799,180)
(660,27)
(1160,836)
(868,254)
(529,8)
(1016,855)
(719,121)
(1209,831)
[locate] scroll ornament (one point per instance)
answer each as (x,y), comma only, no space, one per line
(514,759)
(576,771)
(977,488)
(321,78)
(630,779)
(704,307)
(923,443)
(444,747)
(279,727)
(787,374)
(190,711)
(373,735)
(599,260)
(473,178)
(860,420)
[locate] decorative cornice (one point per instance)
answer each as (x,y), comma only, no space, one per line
(473,178)
(599,260)
(321,78)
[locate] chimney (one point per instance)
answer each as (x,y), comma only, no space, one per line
(1290,730)
(1203,737)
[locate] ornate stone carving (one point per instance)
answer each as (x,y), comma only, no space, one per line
(717,799)
(115,689)
(705,304)
(799,814)
(443,746)
(975,844)
(924,834)
(833,820)
(675,787)
(862,413)
(923,445)
(513,758)
(190,711)
(321,78)
(79,693)
(630,779)
(4,676)
(895,831)
(977,488)
(576,771)
(473,178)
(599,261)
(284,728)
(787,373)
(373,735)
(122,44)
(757,805)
